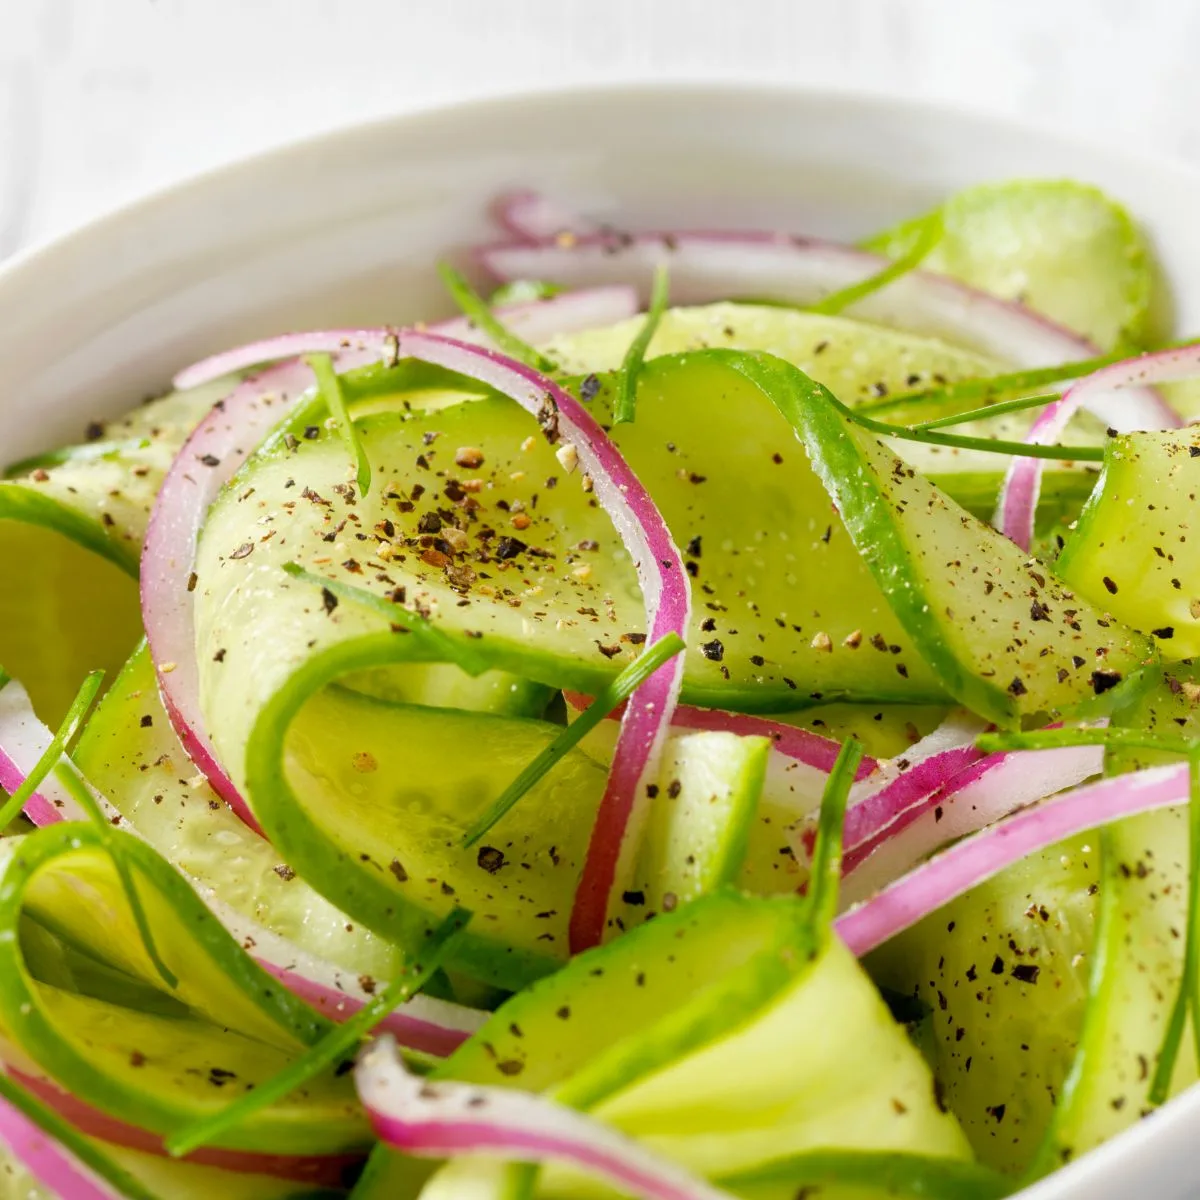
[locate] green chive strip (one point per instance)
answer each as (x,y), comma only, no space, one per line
(990,445)
(618,690)
(894,1173)
(444,647)
(1052,739)
(625,405)
(66,1135)
(53,752)
(1053,1151)
(329,384)
(826,875)
(1187,1000)
(837,301)
(990,410)
(68,775)
(475,308)
(982,388)
(338,1043)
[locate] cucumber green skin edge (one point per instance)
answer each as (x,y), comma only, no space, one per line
(19,502)
(865,511)
(893,1174)
(338,876)
(21,1012)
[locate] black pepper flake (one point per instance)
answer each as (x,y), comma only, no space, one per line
(243,551)
(1194,451)
(509,547)
(997,1111)
(430,523)
(1038,611)
(997,965)
(713,650)
(708,625)
(510,1066)
(147,721)
(674,788)
(1103,681)
(564,1013)
(1026,972)
(398,870)
(311,432)
(219,656)
(490,859)
(634,898)
(329,600)
(693,547)
(589,388)
(1017,687)
(193,579)
(285,872)
(1167,631)
(757,660)
(94,431)
(1110,585)
(209,460)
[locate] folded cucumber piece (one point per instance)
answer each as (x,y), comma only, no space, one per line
(816,1063)
(80,514)
(369,803)
(1063,248)
(616,1013)
(1133,549)
(233,1026)
(701,821)
(822,1064)
(1002,635)
(130,753)
(1003,973)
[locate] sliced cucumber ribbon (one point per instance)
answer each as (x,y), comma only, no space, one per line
(433,1026)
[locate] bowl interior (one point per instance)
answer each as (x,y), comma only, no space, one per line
(346,229)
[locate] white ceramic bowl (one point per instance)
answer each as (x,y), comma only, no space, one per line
(345,228)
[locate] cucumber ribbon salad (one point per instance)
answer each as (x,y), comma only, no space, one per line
(716,718)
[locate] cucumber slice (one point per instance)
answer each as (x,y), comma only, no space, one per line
(926,554)
(819,1063)
(622,1010)
(49,635)
(823,1064)
(80,514)
(369,802)
(701,823)
(237,1027)
(1003,972)
(1130,549)
(129,752)
(1063,248)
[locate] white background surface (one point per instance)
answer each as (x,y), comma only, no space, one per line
(103,99)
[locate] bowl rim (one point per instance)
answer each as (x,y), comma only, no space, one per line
(111,218)
(1074,1179)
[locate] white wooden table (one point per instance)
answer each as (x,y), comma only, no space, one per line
(103,99)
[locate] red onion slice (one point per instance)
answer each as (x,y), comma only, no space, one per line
(210,457)
(532,320)
(1016,506)
(423,1023)
(319,1170)
(987,791)
(901,784)
(971,862)
(707,266)
(531,216)
(49,1162)
(445,1119)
